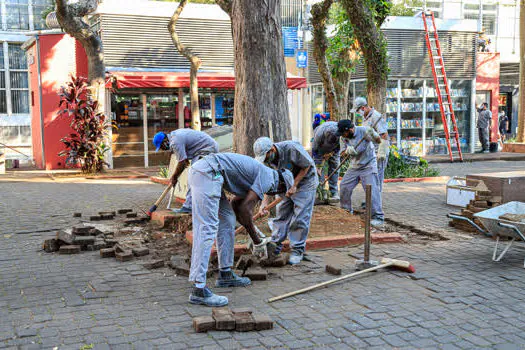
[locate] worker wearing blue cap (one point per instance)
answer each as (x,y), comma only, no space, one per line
(187,145)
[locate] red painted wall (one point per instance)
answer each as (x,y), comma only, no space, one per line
(35,107)
(60,56)
(487,78)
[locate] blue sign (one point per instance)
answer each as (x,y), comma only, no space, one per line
(302,59)
(290,41)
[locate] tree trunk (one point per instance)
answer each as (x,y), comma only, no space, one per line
(260,73)
(70,18)
(373,46)
(195,63)
(521,105)
(320,44)
(342,89)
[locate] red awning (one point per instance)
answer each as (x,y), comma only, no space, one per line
(129,80)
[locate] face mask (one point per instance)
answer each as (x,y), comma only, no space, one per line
(359,112)
(271,157)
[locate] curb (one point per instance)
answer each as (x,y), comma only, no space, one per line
(323,242)
(160,180)
(105,177)
(419,179)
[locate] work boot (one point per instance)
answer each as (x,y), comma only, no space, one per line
(334,197)
(230,279)
(182,210)
(377,223)
(204,296)
(295,257)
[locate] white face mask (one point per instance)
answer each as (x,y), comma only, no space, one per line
(360,112)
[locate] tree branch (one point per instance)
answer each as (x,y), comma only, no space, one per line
(225,5)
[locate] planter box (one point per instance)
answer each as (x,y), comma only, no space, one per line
(509,185)
(514,147)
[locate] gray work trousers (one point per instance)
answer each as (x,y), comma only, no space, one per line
(213,218)
(484,138)
(333,163)
(350,182)
(293,220)
(381,167)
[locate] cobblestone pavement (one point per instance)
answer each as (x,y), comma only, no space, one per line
(458,298)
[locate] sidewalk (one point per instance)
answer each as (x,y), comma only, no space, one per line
(477,157)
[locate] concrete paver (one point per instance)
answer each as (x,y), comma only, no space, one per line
(458,298)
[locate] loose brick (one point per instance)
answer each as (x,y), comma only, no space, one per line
(279,261)
(242,310)
(141,251)
(333,270)
(99,244)
(82,230)
(244,322)
(256,274)
(131,215)
(107,253)
(83,240)
(107,213)
(157,264)
(245,262)
(262,322)
(77,215)
(111,242)
(66,237)
(224,320)
(51,245)
(95,218)
(203,324)
(124,211)
(124,256)
(107,217)
(69,249)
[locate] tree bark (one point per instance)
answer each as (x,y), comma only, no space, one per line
(521,105)
(70,18)
(195,64)
(342,89)
(320,44)
(261,101)
(373,46)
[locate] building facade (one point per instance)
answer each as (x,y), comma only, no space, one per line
(18,18)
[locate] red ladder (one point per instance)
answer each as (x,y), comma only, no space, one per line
(441,82)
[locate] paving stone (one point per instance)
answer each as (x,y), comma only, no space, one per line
(124,256)
(124,211)
(224,320)
(244,321)
(256,274)
(82,230)
(77,215)
(107,253)
(156,264)
(131,215)
(333,270)
(51,245)
(69,249)
(262,322)
(65,236)
(140,251)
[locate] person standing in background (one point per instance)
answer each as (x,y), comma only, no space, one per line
(483,125)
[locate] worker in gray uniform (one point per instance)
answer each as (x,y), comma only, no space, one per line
(187,145)
(363,167)
(372,118)
(214,216)
(295,210)
(483,124)
(326,147)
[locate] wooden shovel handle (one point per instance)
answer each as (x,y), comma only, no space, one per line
(258,216)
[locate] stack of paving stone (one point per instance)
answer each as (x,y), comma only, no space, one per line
(79,238)
(251,267)
(226,319)
(483,201)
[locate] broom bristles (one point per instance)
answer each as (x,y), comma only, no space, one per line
(399,264)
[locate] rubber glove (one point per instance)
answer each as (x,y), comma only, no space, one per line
(350,151)
(259,233)
(261,250)
(382,150)
(372,133)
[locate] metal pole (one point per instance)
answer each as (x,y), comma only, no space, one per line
(368,217)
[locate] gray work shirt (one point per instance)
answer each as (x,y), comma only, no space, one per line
(293,156)
(484,119)
(381,127)
(188,143)
(241,173)
(326,138)
(366,155)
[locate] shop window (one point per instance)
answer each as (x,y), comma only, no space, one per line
(10,135)
(39,6)
(3,98)
(18,80)
(17,14)
(489,24)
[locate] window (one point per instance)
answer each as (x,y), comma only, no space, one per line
(18,78)
(39,6)
(3,98)
(17,14)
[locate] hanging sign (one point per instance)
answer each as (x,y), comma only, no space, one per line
(302,59)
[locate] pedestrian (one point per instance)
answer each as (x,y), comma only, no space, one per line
(294,213)
(326,148)
(363,167)
(483,125)
(503,124)
(214,216)
(187,145)
(372,118)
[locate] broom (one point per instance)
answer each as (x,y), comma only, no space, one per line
(385,262)
(154,206)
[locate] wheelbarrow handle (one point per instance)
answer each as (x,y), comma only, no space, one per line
(514,228)
(476,226)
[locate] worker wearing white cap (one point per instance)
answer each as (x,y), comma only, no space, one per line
(187,145)
(326,148)
(214,216)
(295,211)
(370,117)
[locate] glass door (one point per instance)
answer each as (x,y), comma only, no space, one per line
(128,137)
(412,114)
(162,116)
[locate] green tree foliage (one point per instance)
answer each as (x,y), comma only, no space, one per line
(406,8)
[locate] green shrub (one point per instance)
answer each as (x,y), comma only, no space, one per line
(164,172)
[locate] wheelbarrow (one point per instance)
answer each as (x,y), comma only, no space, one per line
(496,227)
